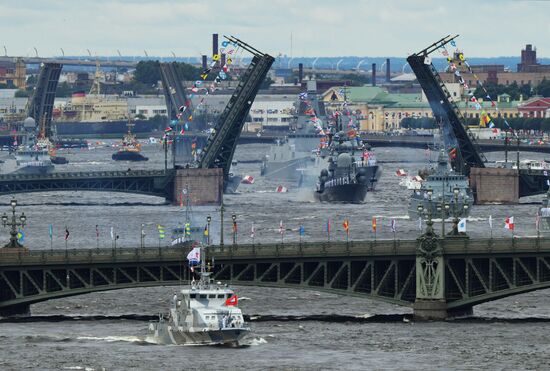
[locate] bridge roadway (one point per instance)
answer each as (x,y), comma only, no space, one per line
(436,277)
(149,182)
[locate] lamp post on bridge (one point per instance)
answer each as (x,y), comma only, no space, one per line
(13,223)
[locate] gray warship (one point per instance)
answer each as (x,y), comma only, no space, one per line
(291,155)
(351,171)
(443,187)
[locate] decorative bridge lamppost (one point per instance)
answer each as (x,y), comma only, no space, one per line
(208,220)
(13,223)
(234,217)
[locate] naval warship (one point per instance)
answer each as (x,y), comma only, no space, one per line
(290,156)
(351,171)
(205,313)
(442,187)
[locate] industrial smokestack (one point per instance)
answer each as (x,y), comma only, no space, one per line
(214,43)
(204,62)
(222,59)
(300,72)
(374,74)
(388,71)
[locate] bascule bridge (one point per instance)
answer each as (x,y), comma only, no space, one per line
(489,184)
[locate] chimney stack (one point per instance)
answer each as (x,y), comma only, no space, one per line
(204,62)
(300,72)
(374,74)
(388,71)
(214,43)
(222,60)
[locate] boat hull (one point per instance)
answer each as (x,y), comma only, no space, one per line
(163,334)
(129,156)
(347,193)
(101,128)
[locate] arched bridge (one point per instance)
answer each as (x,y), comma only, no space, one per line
(436,277)
(149,182)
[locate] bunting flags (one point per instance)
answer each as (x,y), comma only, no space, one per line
(187,230)
(477,105)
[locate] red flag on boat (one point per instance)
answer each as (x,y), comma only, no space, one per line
(232,301)
(281,189)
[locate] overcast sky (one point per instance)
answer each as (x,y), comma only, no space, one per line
(318,27)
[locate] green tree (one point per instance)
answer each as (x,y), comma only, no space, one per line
(22,93)
(543,88)
(147,72)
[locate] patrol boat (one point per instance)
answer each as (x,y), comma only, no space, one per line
(206,313)
(444,188)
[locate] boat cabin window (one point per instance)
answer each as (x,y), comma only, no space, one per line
(212,296)
(202,296)
(192,296)
(220,296)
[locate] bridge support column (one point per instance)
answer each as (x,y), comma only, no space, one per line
(430,301)
(19,310)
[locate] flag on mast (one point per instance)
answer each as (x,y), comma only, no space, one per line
(393,225)
(252,231)
(374,224)
(66,233)
(509,223)
(345,224)
(112,233)
(51,231)
(462,225)
(281,229)
(491,221)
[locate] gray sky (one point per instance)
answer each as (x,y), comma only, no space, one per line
(318,27)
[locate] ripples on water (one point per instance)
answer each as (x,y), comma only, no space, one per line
(292,328)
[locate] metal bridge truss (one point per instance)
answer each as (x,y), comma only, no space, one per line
(473,271)
(155,183)
(220,147)
(174,91)
(40,105)
(445,110)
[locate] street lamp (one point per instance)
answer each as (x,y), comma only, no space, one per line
(234,217)
(14,243)
(208,220)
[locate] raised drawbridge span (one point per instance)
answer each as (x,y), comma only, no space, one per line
(220,146)
(40,106)
(177,101)
(454,129)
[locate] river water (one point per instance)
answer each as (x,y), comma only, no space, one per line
(292,329)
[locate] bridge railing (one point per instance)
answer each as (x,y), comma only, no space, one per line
(84,174)
(449,246)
